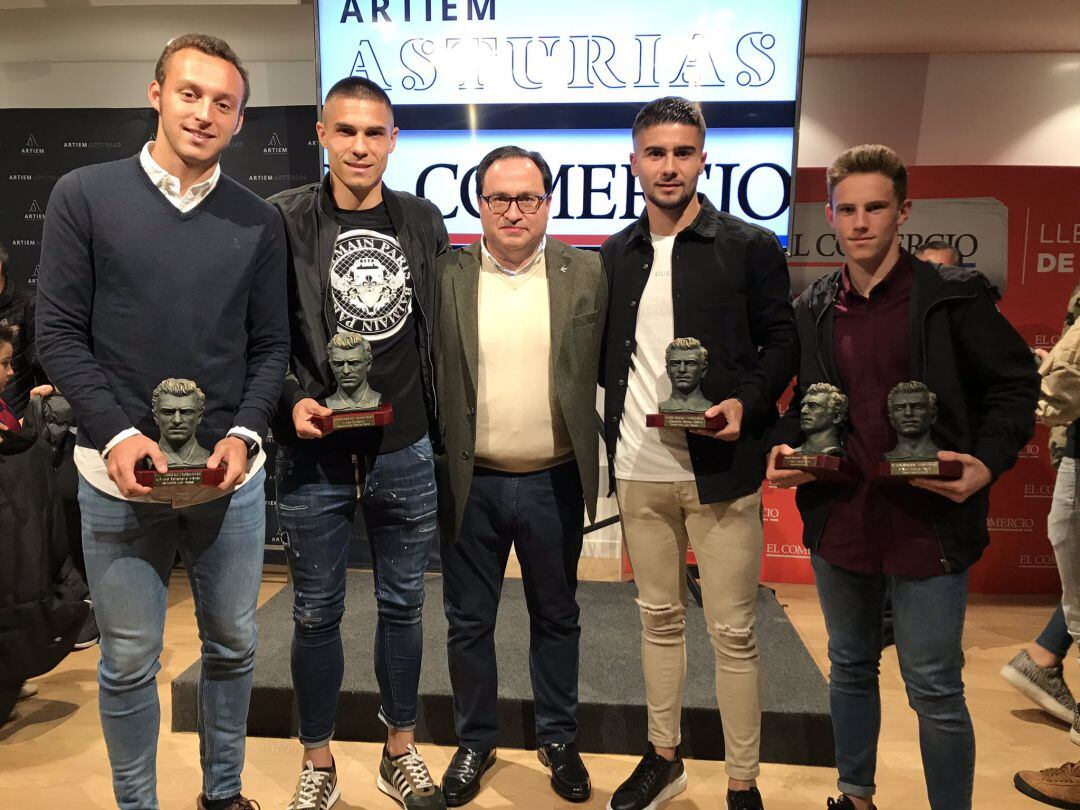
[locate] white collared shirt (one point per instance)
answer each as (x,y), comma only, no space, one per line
(169,185)
(510,272)
(91,464)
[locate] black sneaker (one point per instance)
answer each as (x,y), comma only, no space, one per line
(748,799)
(89,635)
(406,780)
(315,789)
(843,803)
(653,782)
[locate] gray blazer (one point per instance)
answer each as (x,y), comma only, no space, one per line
(577,291)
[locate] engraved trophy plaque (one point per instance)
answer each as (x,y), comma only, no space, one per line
(822,417)
(177,405)
(912,409)
(686,361)
(354,403)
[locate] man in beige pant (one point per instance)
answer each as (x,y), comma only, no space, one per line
(685,269)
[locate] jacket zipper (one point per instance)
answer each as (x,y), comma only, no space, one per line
(937,536)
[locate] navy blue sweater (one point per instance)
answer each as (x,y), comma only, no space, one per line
(131,291)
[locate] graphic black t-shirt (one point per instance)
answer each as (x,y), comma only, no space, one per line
(372,294)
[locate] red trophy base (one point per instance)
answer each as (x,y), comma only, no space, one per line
(830,469)
(345,420)
(181,477)
(685,420)
(899,472)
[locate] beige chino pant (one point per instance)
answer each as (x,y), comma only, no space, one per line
(659,521)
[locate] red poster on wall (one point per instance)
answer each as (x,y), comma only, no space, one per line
(1021,227)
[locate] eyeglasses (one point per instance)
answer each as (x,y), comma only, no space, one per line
(526,203)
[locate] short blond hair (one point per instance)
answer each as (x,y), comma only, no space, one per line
(869,158)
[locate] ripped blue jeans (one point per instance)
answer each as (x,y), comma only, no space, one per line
(317,500)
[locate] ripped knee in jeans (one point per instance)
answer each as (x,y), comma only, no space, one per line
(737,642)
(662,622)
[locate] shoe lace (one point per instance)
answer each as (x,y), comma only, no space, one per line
(646,772)
(308,788)
(415,770)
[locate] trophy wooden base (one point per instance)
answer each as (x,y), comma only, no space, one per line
(685,420)
(181,477)
(346,420)
(829,469)
(899,472)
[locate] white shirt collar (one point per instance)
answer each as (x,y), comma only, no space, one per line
(170,184)
(504,268)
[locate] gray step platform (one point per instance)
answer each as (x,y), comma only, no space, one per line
(611,714)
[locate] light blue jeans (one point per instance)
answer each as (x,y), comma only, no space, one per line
(130,549)
(1063,529)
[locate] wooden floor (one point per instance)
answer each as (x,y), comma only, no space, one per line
(53,755)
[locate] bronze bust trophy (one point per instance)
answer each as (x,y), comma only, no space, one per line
(912,410)
(686,361)
(822,417)
(177,405)
(355,403)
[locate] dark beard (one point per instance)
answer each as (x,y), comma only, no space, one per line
(676,204)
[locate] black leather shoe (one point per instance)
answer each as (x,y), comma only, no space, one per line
(569,778)
(461,782)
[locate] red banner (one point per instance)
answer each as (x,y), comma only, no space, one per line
(1038,208)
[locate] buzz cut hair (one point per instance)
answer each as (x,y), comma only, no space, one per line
(837,401)
(177,387)
(360,89)
(686,344)
(349,340)
(669,110)
(209,45)
(869,158)
(911,387)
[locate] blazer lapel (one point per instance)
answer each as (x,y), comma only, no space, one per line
(466,291)
(560,297)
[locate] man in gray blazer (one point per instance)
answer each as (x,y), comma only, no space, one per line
(519,324)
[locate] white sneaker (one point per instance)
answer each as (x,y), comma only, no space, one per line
(315,790)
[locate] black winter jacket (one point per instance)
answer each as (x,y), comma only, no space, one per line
(968,354)
(42,596)
(18,307)
(730,290)
(311,232)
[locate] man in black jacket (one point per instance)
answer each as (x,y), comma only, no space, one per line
(17,309)
(687,270)
(885,318)
(362,262)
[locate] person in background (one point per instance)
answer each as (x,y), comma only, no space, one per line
(937,251)
(42,597)
(17,308)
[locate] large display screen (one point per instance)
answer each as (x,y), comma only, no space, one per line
(566,78)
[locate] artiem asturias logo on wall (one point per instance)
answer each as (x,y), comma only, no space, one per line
(32,147)
(275,147)
(35,212)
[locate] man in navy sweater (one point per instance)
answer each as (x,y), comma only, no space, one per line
(151,267)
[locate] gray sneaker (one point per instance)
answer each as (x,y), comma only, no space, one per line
(406,779)
(1045,686)
(1074,731)
(315,790)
